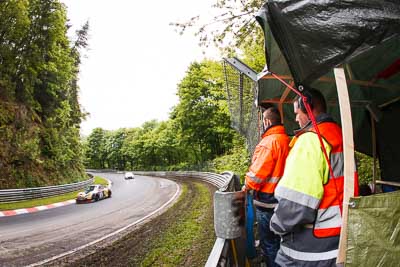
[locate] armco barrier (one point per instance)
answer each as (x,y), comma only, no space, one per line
(221,181)
(14,195)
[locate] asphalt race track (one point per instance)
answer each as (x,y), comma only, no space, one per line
(30,238)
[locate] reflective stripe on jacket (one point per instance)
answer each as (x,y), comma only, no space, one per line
(268,160)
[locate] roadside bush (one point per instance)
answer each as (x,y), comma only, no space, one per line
(365,168)
(237,161)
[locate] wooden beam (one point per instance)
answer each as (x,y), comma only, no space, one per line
(349,71)
(388,183)
(282,100)
(389,102)
(348,151)
(355,103)
(331,80)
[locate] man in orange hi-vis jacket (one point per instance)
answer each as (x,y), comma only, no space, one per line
(266,169)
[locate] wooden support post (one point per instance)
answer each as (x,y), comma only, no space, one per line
(348,151)
(282,100)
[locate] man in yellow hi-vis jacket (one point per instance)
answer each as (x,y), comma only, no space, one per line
(308,216)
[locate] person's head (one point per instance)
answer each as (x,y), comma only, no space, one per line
(271,116)
(317,103)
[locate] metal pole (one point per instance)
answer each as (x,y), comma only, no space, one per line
(241,102)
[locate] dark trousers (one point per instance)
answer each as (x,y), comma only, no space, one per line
(269,242)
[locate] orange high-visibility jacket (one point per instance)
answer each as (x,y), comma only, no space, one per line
(268,160)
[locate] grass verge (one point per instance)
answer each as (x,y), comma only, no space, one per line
(172,247)
(100,180)
(48,200)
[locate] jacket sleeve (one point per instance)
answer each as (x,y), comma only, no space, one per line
(261,168)
(300,190)
(290,216)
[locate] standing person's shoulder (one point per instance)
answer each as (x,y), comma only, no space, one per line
(308,142)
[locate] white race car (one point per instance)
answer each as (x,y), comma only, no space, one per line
(129,175)
(93,193)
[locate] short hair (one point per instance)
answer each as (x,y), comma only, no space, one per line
(273,115)
(315,98)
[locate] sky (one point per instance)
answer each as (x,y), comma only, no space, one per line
(135,58)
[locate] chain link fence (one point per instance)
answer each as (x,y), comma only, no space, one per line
(241,88)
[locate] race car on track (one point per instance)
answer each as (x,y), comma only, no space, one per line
(93,193)
(129,175)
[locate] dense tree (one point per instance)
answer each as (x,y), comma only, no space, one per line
(169,149)
(128,148)
(202,114)
(39,111)
(113,148)
(95,149)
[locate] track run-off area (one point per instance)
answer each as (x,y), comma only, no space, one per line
(35,238)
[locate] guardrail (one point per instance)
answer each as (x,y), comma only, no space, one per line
(14,195)
(227,182)
(221,181)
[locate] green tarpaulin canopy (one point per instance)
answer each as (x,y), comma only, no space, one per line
(305,40)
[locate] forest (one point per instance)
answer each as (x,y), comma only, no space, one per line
(39,110)
(40,114)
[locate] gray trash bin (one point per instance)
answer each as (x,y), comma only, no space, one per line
(228,214)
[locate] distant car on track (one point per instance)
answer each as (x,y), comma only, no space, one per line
(93,193)
(129,175)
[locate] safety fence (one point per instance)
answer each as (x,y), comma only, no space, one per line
(14,195)
(221,181)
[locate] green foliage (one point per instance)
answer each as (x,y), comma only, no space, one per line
(365,165)
(253,51)
(236,160)
(202,114)
(233,23)
(95,149)
(100,180)
(39,109)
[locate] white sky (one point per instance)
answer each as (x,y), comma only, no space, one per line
(135,59)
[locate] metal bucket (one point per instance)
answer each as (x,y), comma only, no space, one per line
(229,214)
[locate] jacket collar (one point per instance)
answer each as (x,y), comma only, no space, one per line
(323,117)
(274,129)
